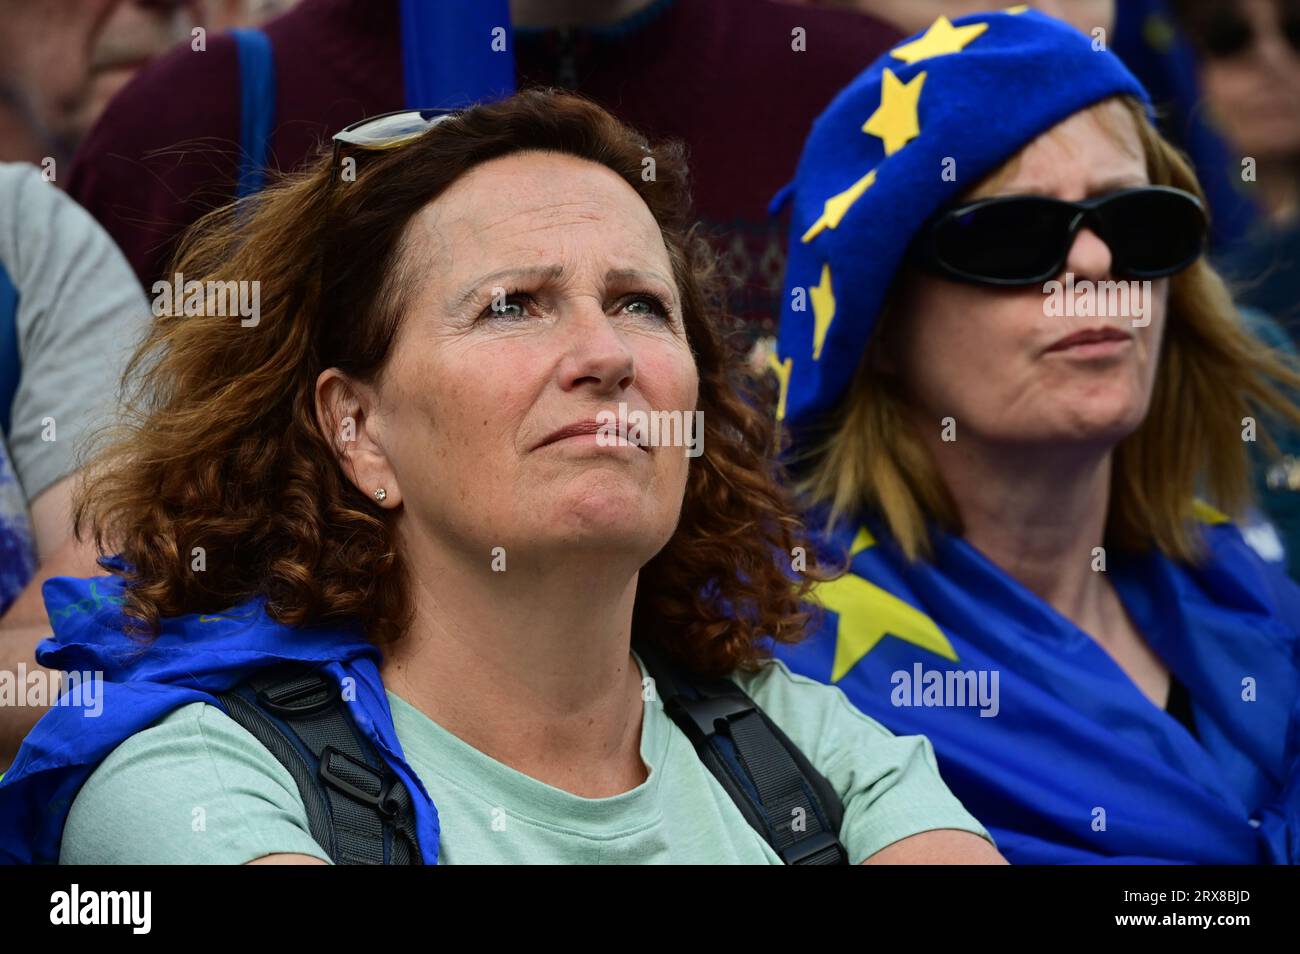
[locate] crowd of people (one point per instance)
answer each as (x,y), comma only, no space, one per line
(325,329)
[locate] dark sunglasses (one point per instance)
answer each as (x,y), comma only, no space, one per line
(1152,231)
(387,130)
(1221,32)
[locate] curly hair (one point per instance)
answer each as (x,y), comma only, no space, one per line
(218,445)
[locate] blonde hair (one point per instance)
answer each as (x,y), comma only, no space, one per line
(1212,374)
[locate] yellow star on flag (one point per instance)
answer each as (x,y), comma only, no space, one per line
(834,208)
(867,614)
(895,120)
(823,302)
(863,541)
(941,39)
(782,369)
(1204,513)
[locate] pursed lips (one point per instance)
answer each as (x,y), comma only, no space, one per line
(581,428)
(1089,336)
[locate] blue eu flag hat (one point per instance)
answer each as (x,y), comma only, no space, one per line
(922,125)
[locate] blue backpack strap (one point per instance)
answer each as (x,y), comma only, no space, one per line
(256,108)
(10,361)
(448,60)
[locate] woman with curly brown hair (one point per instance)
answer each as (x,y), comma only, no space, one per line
(419,438)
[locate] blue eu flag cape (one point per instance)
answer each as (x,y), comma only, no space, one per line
(1071,762)
(194,658)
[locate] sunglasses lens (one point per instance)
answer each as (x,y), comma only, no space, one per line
(1220,30)
(1017,240)
(1229,37)
(1153,232)
(1291,30)
(1022,240)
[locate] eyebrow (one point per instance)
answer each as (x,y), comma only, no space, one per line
(551,273)
(1112,184)
(1116,183)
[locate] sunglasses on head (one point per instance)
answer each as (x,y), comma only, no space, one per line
(387,130)
(1222,32)
(1152,231)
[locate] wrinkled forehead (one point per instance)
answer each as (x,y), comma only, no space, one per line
(1092,151)
(535,207)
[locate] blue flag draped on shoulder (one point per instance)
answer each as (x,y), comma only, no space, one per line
(1038,731)
(124,686)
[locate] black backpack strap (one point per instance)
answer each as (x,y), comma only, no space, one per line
(767,776)
(358,810)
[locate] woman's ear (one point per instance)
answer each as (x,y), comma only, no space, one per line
(347,412)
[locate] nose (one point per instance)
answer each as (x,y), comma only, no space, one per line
(596,355)
(1089,256)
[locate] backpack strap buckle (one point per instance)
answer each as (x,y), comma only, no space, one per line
(705,712)
(302,696)
(820,849)
(342,772)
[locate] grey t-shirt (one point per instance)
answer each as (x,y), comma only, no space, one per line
(80,313)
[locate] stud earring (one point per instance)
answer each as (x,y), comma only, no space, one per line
(381,494)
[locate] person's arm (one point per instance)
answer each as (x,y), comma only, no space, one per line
(943,847)
(22,627)
(897,809)
(59,553)
(25,624)
(284,859)
(18,647)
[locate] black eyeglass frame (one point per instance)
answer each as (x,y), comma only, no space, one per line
(924,251)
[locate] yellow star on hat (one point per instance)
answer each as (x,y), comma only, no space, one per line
(834,208)
(895,119)
(823,302)
(782,369)
(941,39)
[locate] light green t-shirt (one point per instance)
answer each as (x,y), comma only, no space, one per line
(196,787)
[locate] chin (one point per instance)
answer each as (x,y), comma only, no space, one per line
(615,518)
(1100,421)
(1096,404)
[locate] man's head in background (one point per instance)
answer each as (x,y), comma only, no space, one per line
(61,61)
(134,33)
